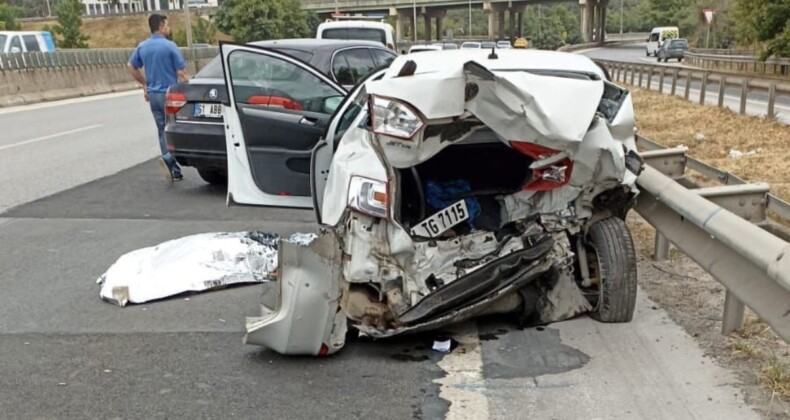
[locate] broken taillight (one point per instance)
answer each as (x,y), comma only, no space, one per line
(324,350)
(554,174)
(174,101)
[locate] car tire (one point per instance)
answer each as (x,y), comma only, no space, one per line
(213,176)
(613,248)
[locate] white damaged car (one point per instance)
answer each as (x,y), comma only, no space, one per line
(450,185)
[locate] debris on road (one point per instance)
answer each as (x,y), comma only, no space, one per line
(442,346)
(193,264)
(737,154)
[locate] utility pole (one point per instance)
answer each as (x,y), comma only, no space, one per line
(185,3)
(49,11)
(470,20)
(621,16)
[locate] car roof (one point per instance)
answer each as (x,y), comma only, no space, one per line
(313,45)
(507,59)
(354,24)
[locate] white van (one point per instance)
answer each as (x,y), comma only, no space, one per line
(27,41)
(658,36)
(358,30)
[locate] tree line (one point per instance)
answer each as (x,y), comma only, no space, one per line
(759,25)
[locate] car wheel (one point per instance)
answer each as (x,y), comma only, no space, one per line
(613,265)
(213,176)
(658,58)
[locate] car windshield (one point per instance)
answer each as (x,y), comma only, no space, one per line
(503,44)
(213,70)
(470,45)
(679,43)
(363,34)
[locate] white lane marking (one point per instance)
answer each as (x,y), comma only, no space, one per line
(50,136)
(464,385)
(33,107)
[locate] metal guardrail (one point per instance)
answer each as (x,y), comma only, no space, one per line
(644,76)
(725,229)
(745,62)
(84,57)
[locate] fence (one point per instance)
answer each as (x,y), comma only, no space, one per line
(736,60)
(85,57)
(725,229)
(672,79)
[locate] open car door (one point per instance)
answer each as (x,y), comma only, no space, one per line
(278,107)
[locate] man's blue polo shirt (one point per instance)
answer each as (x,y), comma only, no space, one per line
(161,59)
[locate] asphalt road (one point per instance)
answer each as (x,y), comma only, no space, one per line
(77,201)
(756,104)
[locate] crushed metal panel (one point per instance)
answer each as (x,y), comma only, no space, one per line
(307,319)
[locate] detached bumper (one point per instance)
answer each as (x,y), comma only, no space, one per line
(307,319)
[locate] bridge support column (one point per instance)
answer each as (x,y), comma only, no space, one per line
(439,28)
(501,24)
(511,30)
(491,25)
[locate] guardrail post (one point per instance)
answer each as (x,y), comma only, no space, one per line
(687,88)
(640,75)
(661,81)
(722,88)
(771,101)
(734,309)
(649,77)
(661,250)
(703,88)
(744,94)
(632,74)
(675,74)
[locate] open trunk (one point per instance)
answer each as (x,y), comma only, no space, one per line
(477,172)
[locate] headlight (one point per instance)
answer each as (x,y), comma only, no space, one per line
(368,196)
(394,119)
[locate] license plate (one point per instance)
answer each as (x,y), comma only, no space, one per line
(442,221)
(208,110)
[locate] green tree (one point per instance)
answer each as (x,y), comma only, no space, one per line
(765,24)
(203,32)
(256,20)
(8,15)
(69,27)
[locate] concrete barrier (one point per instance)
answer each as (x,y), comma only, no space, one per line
(33,85)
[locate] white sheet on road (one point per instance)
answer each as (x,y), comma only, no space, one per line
(192,264)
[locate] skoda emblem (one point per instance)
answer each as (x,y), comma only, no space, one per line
(212,94)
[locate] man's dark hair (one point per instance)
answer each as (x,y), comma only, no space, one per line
(155,21)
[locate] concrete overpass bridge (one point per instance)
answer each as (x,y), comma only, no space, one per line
(499,12)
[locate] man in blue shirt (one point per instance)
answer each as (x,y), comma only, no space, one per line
(164,66)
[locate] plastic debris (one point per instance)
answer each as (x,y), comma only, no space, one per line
(442,346)
(193,264)
(699,137)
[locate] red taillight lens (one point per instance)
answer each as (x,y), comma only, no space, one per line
(324,350)
(275,101)
(549,177)
(174,101)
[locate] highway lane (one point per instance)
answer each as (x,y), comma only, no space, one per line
(51,147)
(756,105)
(67,354)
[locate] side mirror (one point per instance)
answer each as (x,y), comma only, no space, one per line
(331,103)
(16,50)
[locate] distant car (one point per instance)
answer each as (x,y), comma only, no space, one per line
(423,48)
(194,132)
(674,48)
(446,45)
(658,36)
(358,30)
(503,44)
(488,45)
(470,45)
(27,41)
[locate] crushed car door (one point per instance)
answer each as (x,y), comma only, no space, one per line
(277,109)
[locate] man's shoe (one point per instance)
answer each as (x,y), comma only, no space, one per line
(178,177)
(165,170)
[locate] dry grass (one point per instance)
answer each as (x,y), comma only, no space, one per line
(673,121)
(776,377)
(120,32)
